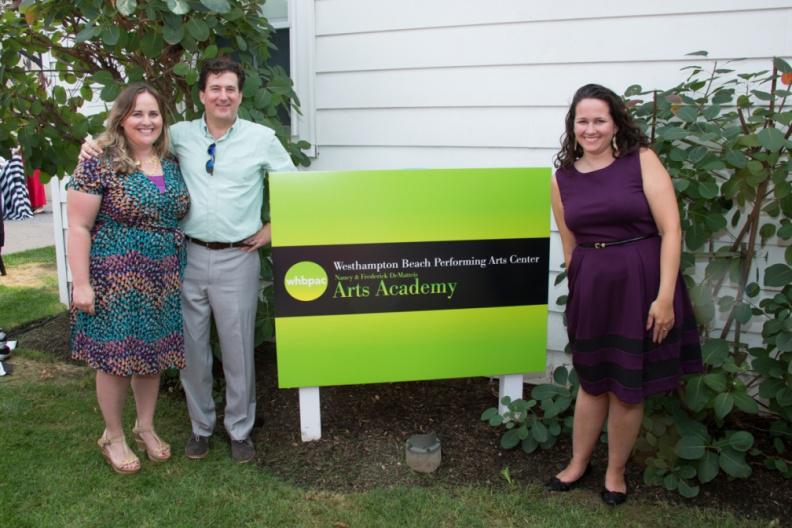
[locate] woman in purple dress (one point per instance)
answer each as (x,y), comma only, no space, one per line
(631,326)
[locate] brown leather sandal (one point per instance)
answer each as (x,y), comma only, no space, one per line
(129,465)
(161,453)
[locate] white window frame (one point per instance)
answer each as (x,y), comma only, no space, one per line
(302,29)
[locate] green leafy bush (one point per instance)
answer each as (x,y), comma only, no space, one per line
(724,138)
(539,421)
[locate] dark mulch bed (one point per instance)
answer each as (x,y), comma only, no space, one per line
(50,335)
(364,429)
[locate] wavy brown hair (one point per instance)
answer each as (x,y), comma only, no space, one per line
(629,137)
(114,142)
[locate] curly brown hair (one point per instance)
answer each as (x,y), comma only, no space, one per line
(629,137)
(218,66)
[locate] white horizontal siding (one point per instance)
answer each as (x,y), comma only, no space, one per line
(556,331)
(543,85)
(364,16)
(646,39)
(439,127)
(367,157)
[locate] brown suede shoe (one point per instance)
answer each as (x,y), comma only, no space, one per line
(243,451)
(197,447)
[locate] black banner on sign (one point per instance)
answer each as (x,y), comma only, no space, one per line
(410,276)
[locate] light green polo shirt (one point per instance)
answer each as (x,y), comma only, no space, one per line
(226,206)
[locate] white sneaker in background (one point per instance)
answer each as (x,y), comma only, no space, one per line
(6,348)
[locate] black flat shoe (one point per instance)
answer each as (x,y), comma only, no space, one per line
(554,484)
(613,498)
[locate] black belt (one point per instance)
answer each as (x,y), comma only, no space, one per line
(600,245)
(217,245)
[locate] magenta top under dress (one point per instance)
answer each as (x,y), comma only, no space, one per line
(158,180)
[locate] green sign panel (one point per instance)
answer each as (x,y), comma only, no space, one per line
(404,275)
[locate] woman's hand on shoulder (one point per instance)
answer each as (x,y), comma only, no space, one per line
(83,299)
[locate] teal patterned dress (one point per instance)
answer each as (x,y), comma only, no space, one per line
(136,264)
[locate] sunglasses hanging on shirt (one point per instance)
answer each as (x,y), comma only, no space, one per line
(211,161)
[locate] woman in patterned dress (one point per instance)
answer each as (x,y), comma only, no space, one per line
(630,322)
(126,258)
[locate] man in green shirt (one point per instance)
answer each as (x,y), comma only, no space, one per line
(223,160)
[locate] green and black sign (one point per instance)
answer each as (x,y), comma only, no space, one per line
(406,275)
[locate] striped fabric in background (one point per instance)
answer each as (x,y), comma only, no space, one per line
(13,191)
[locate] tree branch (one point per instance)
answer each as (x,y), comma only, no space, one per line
(744,125)
(753,221)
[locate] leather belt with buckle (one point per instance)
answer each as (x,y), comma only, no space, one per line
(601,245)
(217,245)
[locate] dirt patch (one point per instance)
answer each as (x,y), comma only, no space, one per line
(50,335)
(27,369)
(32,275)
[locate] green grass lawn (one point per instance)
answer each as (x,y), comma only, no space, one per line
(53,475)
(31,256)
(30,290)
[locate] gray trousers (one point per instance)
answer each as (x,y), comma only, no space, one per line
(223,283)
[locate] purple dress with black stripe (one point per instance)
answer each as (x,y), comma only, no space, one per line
(611,289)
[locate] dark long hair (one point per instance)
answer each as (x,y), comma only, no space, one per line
(629,137)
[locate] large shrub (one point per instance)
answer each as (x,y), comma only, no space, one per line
(724,137)
(93,46)
(99,45)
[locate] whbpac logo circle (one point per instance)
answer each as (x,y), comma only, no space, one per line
(306,281)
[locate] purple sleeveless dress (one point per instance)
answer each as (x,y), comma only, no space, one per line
(611,289)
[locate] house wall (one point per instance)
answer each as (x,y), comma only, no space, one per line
(463,83)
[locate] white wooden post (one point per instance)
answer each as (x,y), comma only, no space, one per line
(60,225)
(511,385)
(310,415)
